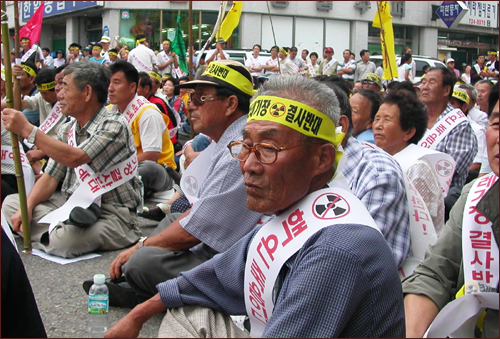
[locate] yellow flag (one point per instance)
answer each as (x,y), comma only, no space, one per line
(383,20)
(231,21)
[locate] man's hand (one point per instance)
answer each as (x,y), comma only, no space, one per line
(17,71)
(16,122)
(34,155)
(17,221)
(125,328)
(190,158)
(115,270)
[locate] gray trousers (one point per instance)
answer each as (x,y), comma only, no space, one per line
(198,322)
(154,177)
(150,265)
(115,229)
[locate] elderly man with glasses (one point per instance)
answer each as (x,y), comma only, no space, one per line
(316,265)
(218,217)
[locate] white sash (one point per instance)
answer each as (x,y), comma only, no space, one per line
(52,119)
(443,164)
(139,61)
(422,232)
(442,128)
(284,235)
(138,105)
(27,55)
(329,64)
(294,66)
(311,70)
(195,174)
(165,56)
(179,72)
(480,251)
(7,157)
(92,185)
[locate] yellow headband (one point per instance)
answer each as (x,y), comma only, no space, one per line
(460,95)
(229,76)
(139,41)
(29,70)
(166,42)
(97,47)
(74,49)
(492,53)
(47,86)
(112,53)
(166,76)
(25,40)
(155,75)
(283,50)
(298,116)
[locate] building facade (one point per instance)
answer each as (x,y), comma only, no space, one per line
(310,25)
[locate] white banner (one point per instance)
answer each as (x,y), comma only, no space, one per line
(442,164)
(284,235)
(458,318)
(195,174)
(480,250)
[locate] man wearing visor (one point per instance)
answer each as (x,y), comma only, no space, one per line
(316,265)
(218,218)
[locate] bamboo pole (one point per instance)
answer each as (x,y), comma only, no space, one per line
(14,137)
(383,39)
(190,41)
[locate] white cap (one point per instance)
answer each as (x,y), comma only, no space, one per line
(105,39)
(450,60)
(99,279)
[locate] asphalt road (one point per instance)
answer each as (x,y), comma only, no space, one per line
(61,300)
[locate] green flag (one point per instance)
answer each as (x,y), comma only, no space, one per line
(178,46)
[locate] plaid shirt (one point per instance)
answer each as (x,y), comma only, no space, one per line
(461,144)
(107,140)
(377,180)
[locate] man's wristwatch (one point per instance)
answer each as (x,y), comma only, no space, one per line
(141,242)
(31,138)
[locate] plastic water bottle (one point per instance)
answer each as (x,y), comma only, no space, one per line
(140,207)
(98,307)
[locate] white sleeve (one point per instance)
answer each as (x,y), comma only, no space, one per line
(151,129)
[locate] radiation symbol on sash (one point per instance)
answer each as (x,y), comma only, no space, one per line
(330,206)
(277,109)
(191,185)
(444,168)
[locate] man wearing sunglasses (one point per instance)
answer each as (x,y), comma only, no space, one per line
(316,266)
(218,218)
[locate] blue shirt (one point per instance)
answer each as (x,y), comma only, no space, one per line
(366,136)
(341,283)
(376,179)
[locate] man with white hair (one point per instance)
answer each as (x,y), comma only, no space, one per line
(315,266)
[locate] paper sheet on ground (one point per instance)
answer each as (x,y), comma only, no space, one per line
(63,261)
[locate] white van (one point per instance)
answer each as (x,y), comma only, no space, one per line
(420,61)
